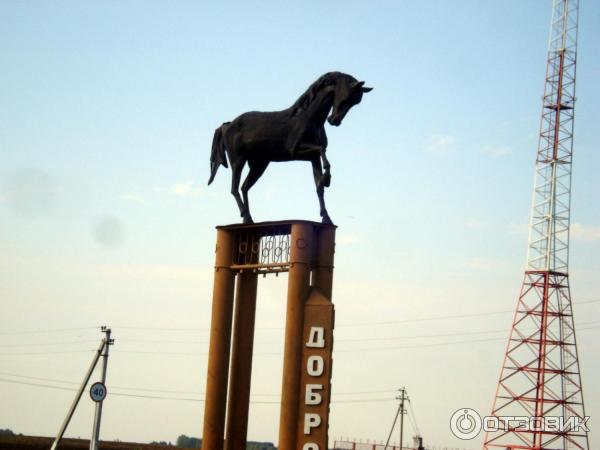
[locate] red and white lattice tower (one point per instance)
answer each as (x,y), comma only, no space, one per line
(540,375)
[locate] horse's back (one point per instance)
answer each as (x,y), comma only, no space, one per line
(259,119)
(255,130)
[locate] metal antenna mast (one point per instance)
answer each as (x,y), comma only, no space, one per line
(540,375)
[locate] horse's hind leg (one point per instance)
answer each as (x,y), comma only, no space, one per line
(236,174)
(318,176)
(257,168)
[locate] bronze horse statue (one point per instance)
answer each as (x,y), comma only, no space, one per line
(294,134)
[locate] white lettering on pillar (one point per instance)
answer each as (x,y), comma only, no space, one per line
(315,366)
(312,397)
(311,420)
(316,337)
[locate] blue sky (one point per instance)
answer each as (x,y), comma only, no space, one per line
(107,116)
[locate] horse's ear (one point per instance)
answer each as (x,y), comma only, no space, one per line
(361,85)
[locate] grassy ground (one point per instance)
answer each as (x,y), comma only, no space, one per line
(44,443)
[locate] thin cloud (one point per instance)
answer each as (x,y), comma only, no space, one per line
(183,189)
(518,228)
(186,189)
(348,239)
(579,231)
(475,224)
(132,197)
(486,264)
(440,143)
(587,233)
(495,151)
(30,192)
(146,271)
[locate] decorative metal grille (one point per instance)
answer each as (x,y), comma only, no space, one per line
(261,251)
(275,249)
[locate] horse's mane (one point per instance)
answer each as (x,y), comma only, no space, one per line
(328,79)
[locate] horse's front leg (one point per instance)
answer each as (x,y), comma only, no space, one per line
(318,176)
(317,151)
(326,178)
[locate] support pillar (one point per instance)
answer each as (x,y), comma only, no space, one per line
(322,277)
(305,250)
(220,339)
(241,362)
(316,366)
(298,289)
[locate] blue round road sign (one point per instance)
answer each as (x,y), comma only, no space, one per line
(98,391)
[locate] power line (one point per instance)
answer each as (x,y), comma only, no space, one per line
(364,324)
(47,353)
(161,397)
(55,380)
(366,349)
(365,339)
(445,317)
(424,336)
(129,327)
(49,386)
(337,340)
(52,330)
(352,350)
(436,344)
(343,325)
(385,391)
(45,344)
(414,418)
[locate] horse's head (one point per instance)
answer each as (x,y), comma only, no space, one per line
(347,93)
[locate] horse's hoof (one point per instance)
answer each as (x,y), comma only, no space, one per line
(327,220)
(248,220)
(325,180)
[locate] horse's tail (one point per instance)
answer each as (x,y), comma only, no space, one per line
(217,154)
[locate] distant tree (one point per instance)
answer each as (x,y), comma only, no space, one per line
(250,445)
(188,442)
(6,432)
(192,442)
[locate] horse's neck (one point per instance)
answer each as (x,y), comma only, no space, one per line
(318,109)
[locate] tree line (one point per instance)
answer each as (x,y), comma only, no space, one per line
(193,442)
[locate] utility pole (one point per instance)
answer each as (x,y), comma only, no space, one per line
(98,412)
(401,411)
(104,344)
(402,398)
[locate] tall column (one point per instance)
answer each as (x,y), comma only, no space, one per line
(323,270)
(220,340)
(316,367)
(298,288)
(241,361)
